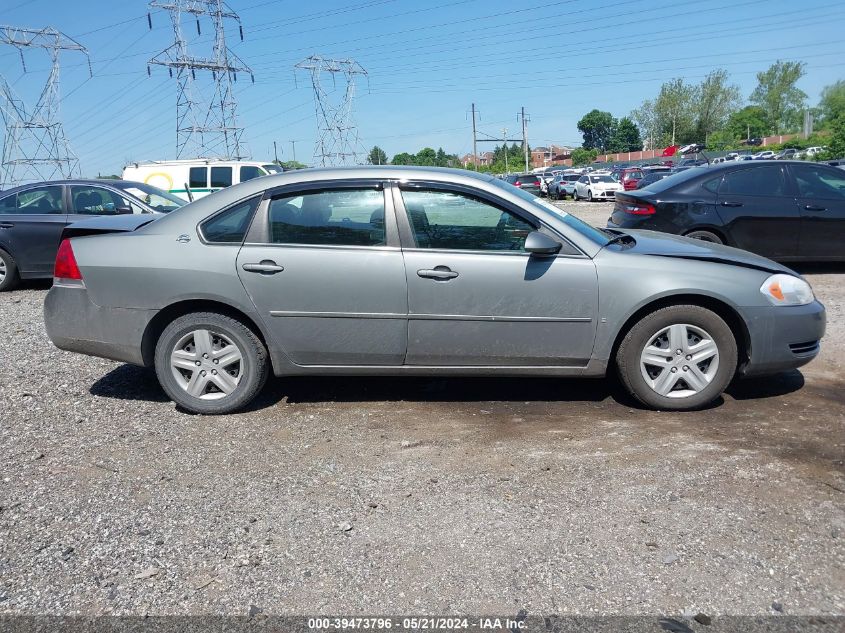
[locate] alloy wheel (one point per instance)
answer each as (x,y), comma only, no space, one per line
(679,360)
(206,364)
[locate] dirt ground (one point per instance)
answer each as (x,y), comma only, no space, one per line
(372,495)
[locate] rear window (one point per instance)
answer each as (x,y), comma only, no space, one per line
(635,174)
(676,179)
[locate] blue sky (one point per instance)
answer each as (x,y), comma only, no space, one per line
(427,60)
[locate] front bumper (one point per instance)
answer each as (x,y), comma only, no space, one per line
(783,338)
(76,324)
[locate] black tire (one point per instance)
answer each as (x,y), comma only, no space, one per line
(705,236)
(11,278)
(575,195)
(590,195)
(254,364)
(640,335)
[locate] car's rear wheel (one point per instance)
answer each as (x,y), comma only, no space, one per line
(589,195)
(705,236)
(210,363)
(679,357)
(9,277)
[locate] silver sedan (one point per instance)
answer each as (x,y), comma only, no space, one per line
(417,271)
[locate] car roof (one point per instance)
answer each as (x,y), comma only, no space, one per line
(72,181)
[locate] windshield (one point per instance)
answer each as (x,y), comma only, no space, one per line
(601,179)
(155,198)
(570,220)
(273,168)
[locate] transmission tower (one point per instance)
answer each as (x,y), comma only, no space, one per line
(34,144)
(337,134)
(204,127)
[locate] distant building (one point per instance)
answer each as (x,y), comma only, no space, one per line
(549,156)
(484,160)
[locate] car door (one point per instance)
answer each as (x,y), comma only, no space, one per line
(476,298)
(758,210)
(31,224)
(821,203)
(323,266)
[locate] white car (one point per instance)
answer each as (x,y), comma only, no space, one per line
(810,152)
(764,155)
(596,187)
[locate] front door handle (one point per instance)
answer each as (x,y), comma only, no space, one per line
(807,207)
(439,273)
(265,266)
(728,203)
(6,225)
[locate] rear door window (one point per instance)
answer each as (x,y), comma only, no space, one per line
(765,180)
(340,217)
(221,177)
(817,181)
(36,201)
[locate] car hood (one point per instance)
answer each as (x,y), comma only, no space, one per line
(668,245)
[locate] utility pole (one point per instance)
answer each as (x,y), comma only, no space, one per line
(474,140)
(293,148)
(337,134)
(203,129)
(505,145)
(35,146)
(524,136)
(275,153)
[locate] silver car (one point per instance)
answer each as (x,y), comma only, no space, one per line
(418,271)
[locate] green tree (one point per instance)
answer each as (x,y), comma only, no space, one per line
(597,128)
(581,156)
(674,109)
(832,103)
(377,156)
(441,159)
(292,164)
(625,137)
(426,157)
(715,101)
(778,95)
(403,159)
(646,119)
(750,122)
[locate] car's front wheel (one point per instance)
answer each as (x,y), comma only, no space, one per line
(678,357)
(210,363)
(589,195)
(8,272)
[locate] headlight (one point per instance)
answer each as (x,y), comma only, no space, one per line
(786,290)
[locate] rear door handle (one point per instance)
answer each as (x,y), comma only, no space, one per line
(728,203)
(807,207)
(440,273)
(265,266)
(6,225)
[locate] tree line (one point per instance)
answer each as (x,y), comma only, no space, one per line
(713,113)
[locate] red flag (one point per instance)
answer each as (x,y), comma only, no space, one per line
(670,151)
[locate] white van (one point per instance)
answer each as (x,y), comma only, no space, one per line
(200,176)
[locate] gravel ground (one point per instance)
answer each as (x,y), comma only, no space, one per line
(365,495)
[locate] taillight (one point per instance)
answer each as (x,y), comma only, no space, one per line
(66,267)
(635,208)
(517,184)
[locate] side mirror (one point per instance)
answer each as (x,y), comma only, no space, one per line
(123,211)
(541,244)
